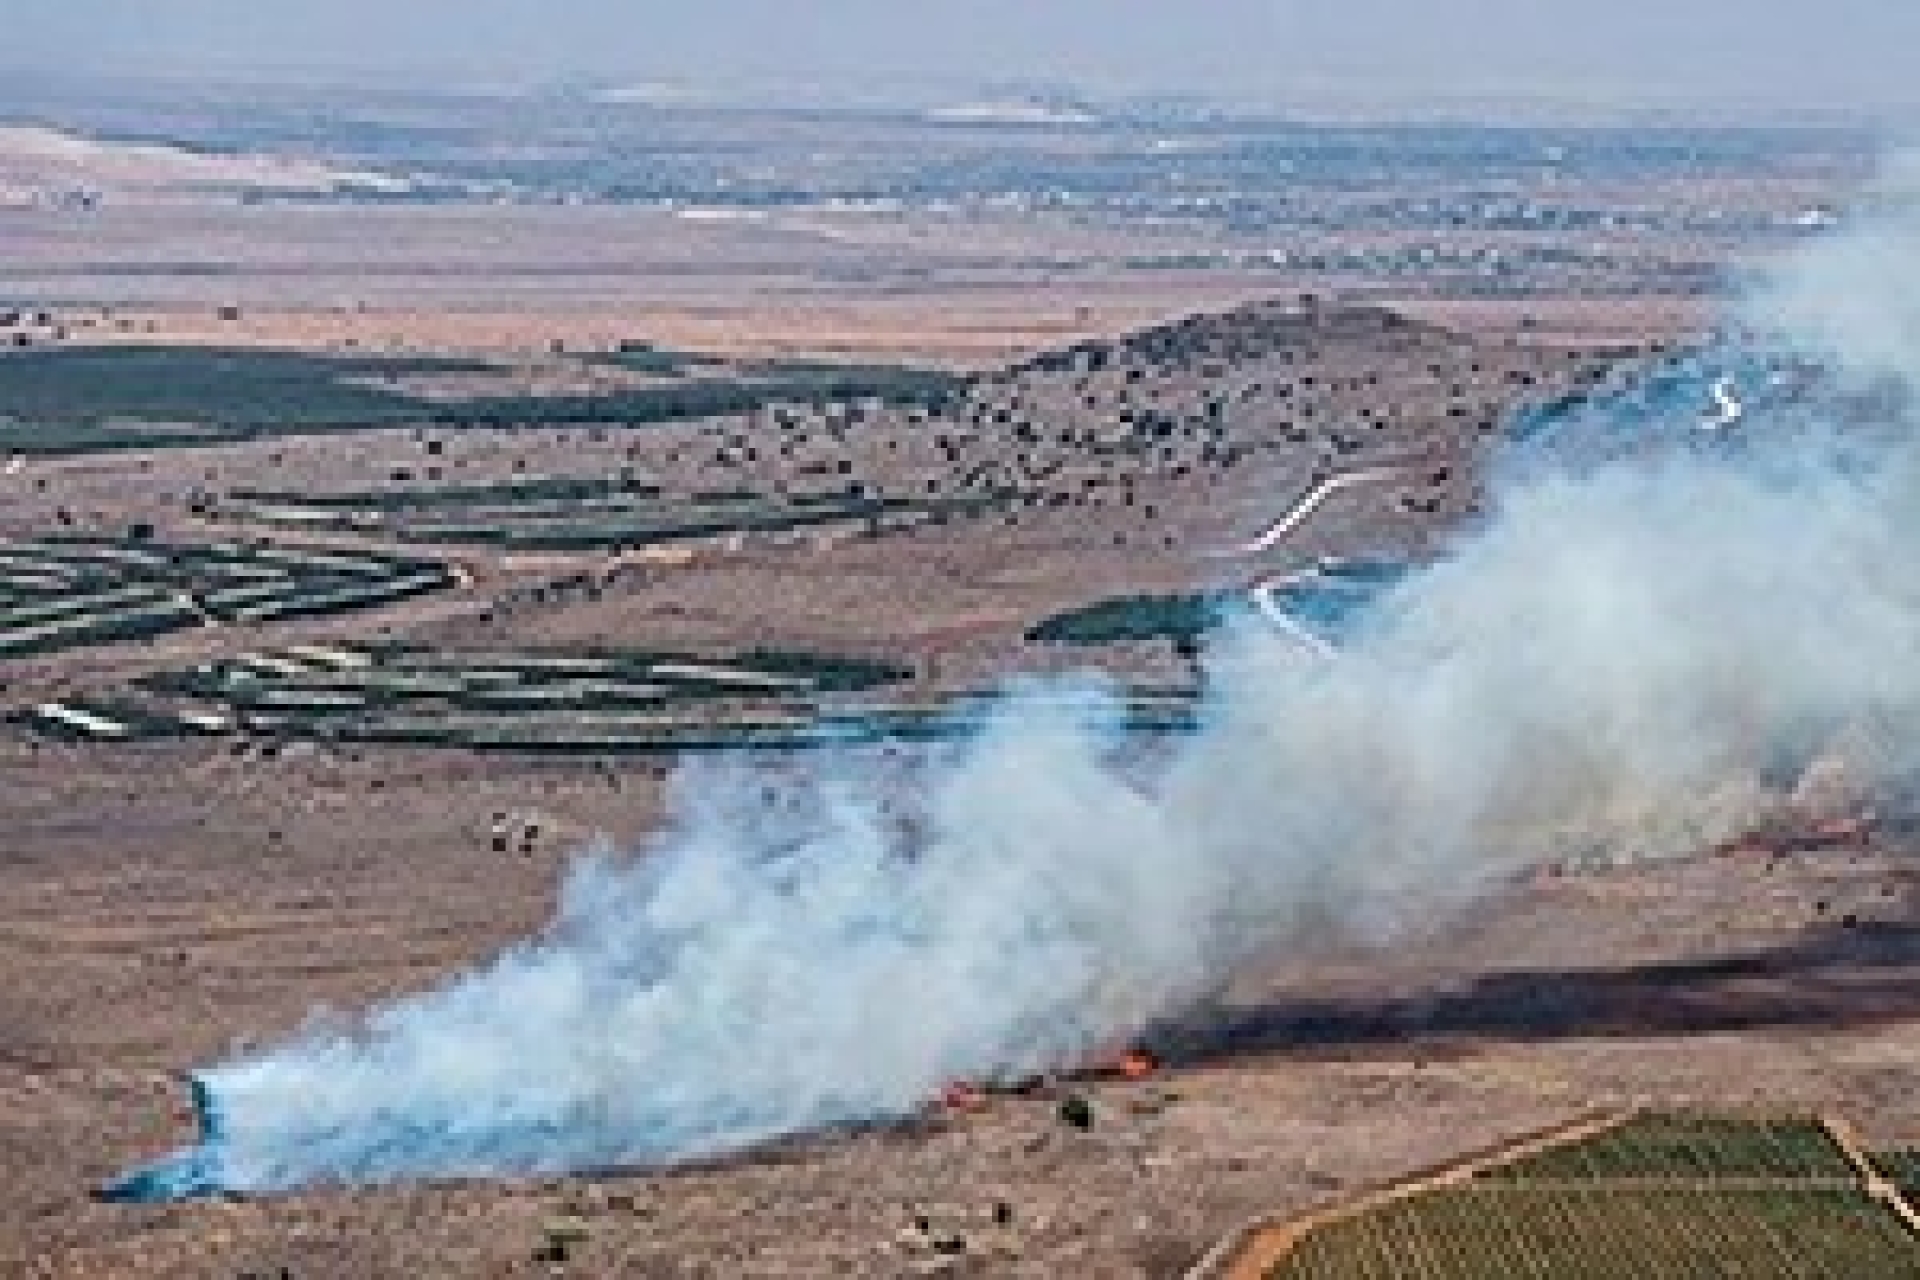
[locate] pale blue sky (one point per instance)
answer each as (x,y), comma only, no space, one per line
(1837,52)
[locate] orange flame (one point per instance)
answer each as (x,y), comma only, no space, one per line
(960,1096)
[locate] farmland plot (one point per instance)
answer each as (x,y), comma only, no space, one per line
(1600,1230)
(85,399)
(592,702)
(481,700)
(67,592)
(563,513)
(1133,618)
(1675,1194)
(1692,1145)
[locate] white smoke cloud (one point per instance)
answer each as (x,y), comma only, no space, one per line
(1851,298)
(1608,668)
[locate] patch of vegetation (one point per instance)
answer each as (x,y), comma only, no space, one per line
(591,701)
(533,489)
(60,438)
(1664,1194)
(131,622)
(858,381)
(583,515)
(647,358)
(1692,1145)
(1603,1232)
(405,366)
(72,591)
(230,390)
(1180,618)
(76,399)
(826,673)
(704,398)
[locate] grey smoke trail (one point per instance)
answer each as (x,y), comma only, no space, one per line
(1605,669)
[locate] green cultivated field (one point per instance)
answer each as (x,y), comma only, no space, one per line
(592,702)
(61,593)
(1692,1145)
(1131,618)
(1597,1232)
(1665,1196)
(78,399)
(560,513)
(63,399)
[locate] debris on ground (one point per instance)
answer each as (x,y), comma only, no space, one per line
(560,1235)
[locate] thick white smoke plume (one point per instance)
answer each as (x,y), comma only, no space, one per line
(1609,667)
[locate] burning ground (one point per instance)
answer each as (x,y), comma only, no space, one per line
(1725,979)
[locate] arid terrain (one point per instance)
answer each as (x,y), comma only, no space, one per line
(151,928)
(329,527)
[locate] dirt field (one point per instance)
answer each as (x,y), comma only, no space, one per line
(152,928)
(973,289)
(504,280)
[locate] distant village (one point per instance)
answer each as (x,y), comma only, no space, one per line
(29,328)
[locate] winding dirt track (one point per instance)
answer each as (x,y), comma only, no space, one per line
(1262,593)
(1316,497)
(1262,590)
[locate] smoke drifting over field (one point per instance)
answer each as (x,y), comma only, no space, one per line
(1609,667)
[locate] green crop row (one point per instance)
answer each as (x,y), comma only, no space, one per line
(94,629)
(113,591)
(1691,1145)
(589,534)
(1901,1166)
(98,603)
(702,398)
(90,558)
(106,387)
(539,488)
(596,700)
(326,599)
(835,674)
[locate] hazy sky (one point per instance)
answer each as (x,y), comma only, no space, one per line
(1835,52)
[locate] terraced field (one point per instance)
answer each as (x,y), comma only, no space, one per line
(537,702)
(60,593)
(1668,1194)
(578,513)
